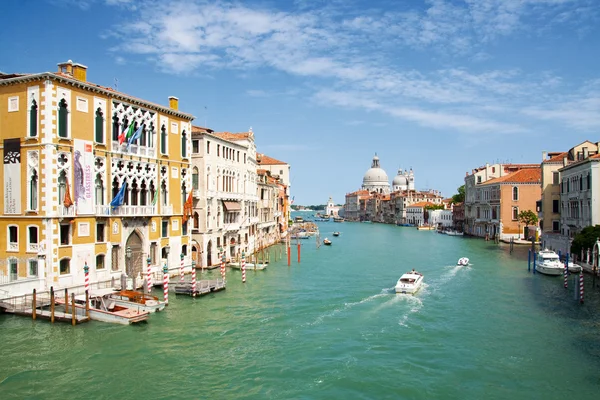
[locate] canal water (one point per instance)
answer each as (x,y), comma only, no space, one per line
(332,327)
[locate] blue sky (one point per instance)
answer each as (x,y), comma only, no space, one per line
(440,86)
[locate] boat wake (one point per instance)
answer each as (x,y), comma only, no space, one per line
(346,307)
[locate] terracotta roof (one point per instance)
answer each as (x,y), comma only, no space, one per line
(262,159)
(199,129)
(595,156)
(527,175)
(261,171)
(556,158)
(359,193)
(233,136)
(421,204)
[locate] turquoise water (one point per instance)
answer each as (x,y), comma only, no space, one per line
(331,327)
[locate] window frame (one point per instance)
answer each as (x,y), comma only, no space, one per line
(60,266)
(10,245)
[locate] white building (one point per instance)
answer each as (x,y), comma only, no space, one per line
(441,218)
(405,180)
(376,179)
(331,209)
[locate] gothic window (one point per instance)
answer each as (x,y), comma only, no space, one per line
(99,185)
(163,193)
(62,186)
(134,193)
(184,193)
(151,135)
(33,191)
(184,144)
(33,118)
(115,127)
(143,194)
(195,178)
(99,124)
(153,193)
(63,122)
(196,221)
(163,140)
(143,136)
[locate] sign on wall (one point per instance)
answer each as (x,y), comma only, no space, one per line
(12,176)
(83,167)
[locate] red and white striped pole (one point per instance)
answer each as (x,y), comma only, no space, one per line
(86,270)
(193,278)
(243,267)
(581,287)
(566,274)
(223,264)
(166,284)
(181,270)
(148,275)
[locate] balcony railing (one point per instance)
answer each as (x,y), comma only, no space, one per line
(166,210)
(133,211)
(33,247)
(196,194)
(66,211)
(230,195)
(134,149)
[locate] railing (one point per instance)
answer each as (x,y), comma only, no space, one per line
(13,246)
(196,194)
(33,247)
(133,210)
(66,211)
(134,149)
(166,210)
(230,195)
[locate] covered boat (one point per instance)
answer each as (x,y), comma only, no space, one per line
(548,263)
(135,299)
(327,242)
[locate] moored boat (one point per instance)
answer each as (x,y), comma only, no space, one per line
(409,283)
(257,266)
(454,233)
(574,268)
(135,299)
(548,263)
(336,234)
(327,242)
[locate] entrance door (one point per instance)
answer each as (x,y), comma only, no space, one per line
(136,264)
(209,253)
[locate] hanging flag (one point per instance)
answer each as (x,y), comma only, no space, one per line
(187,208)
(292,202)
(135,136)
(67,201)
(119,198)
(126,133)
(155,197)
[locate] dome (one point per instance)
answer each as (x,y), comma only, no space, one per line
(400,180)
(375,176)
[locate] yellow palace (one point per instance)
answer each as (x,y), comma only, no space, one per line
(71,148)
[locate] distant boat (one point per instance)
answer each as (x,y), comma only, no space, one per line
(327,242)
(336,234)
(338,219)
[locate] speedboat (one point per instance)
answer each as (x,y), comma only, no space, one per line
(463,261)
(409,283)
(327,242)
(454,233)
(336,234)
(137,300)
(548,263)
(574,268)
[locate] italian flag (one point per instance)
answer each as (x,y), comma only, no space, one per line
(126,134)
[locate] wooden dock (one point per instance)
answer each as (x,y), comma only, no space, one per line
(43,306)
(203,287)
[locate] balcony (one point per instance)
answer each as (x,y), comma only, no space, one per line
(33,248)
(166,210)
(66,211)
(134,149)
(125,211)
(235,226)
(230,195)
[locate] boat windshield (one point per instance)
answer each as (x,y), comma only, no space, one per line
(407,280)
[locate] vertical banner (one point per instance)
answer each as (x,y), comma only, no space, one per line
(83,167)
(12,176)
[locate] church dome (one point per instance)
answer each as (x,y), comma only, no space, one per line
(400,180)
(375,175)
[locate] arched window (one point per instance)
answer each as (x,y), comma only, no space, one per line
(163,194)
(143,194)
(143,136)
(62,186)
(99,185)
(115,127)
(32,238)
(63,121)
(184,198)
(183,144)
(33,191)
(99,126)
(515,193)
(65,266)
(134,193)
(195,178)
(163,140)
(33,118)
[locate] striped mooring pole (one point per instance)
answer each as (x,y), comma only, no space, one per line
(193,278)
(223,264)
(534,257)
(566,272)
(148,275)
(181,269)
(581,287)
(166,284)
(243,267)
(86,270)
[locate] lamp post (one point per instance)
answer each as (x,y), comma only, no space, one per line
(128,254)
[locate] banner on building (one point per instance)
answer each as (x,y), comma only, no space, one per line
(12,176)
(83,175)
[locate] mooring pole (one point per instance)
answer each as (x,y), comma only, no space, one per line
(33,305)
(73,310)
(534,260)
(66,301)
(87,304)
(529,261)
(52,304)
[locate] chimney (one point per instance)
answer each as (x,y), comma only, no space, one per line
(66,67)
(80,72)
(174,102)
(585,152)
(565,162)
(544,155)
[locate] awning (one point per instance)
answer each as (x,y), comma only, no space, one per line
(232,206)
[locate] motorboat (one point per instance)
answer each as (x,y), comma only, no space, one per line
(256,266)
(136,299)
(463,261)
(338,219)
(548,263)
(103,308)
(409,283)
(574,268)
(336,234)
(327,242)
(454,233)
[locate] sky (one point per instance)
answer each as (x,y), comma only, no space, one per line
(439,86)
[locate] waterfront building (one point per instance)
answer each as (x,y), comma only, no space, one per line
(376,179)
(458,216)
(225,179)
(271,205)
(71,148)
(331,209)
(440,218)
(355,204)
(402,200)
(416,213)
(478,176)
(500,200)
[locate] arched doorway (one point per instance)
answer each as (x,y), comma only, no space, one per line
(136,264)
(209,253)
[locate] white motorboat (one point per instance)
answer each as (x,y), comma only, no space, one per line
(454,233)
(409,283)
(463,261)
(548,263)
(256,266)
(103,308)
(574,268)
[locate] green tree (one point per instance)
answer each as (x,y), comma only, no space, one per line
(460,196)
(585,239)
(528,218)
(434,207)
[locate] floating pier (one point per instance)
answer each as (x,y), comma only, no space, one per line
(202,287)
